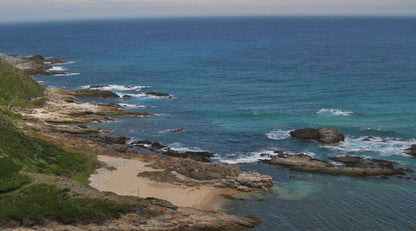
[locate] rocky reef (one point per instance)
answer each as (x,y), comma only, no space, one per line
(350,165)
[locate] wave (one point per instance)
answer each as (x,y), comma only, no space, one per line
(57,68)
(378,145)
(278,134)
(115,87)
(253,157)
(139,95)
(67,74)
(336,112)
(181,148)
(126,105)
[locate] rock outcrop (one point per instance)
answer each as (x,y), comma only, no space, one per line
(352,165)
(411,151)
(194,173)
(322,134)
(35,65)
(164,150)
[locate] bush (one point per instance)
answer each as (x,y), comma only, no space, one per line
(42,201)
(10,179)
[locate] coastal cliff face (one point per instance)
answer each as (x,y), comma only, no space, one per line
(45,165)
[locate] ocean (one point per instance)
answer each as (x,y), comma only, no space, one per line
(240,84)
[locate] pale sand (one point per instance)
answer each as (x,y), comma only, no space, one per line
(124,181)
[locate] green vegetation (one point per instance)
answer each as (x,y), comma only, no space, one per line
(19,153)
(41,201)
(10,178)
(17,88)
(42,157)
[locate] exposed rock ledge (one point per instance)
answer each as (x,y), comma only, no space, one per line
(352,165)
(322,134)
(35,65)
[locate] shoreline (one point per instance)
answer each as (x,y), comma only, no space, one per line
(119,176)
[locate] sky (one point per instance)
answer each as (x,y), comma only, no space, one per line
(52,10)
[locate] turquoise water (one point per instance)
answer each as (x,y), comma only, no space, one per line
(239,86)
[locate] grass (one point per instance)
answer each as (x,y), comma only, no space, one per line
(18,89)
(41,201)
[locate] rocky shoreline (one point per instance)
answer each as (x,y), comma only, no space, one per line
(62,118)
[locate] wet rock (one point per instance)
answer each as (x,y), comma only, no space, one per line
(158,94)
(176,130)
(93,93)
(198,156)
(54,61)
(411,151)
(322,134)
(330,135)
(353,166)
(305,134)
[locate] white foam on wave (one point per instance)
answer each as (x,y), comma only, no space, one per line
(378,145)
(138,95)
(181,148)
(126,105)
(67,74)
(253,157)
(115,87)
(278,134)
(57,68)
(336,112)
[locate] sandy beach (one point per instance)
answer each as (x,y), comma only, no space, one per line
(120,177)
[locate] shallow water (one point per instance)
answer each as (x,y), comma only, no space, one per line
(239,86)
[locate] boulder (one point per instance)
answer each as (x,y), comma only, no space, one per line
(322,134)
(305,134)
(330,135)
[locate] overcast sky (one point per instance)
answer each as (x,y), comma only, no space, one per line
(49,10)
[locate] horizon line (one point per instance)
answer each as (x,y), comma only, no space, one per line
(83,19)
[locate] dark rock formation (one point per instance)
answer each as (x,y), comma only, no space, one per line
(198,156)
(305,134)
(353,166)
(322,134)
(176,130)
(411,151)
(93,93)
(158,94)
(164,150)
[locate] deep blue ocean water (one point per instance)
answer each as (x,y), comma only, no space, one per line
(239,86)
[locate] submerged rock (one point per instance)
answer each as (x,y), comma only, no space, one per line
(322,134)
(152,93)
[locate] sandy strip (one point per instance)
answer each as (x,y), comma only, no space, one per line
(124,181)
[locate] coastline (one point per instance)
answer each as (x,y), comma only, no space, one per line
(175,193)
(120,176)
